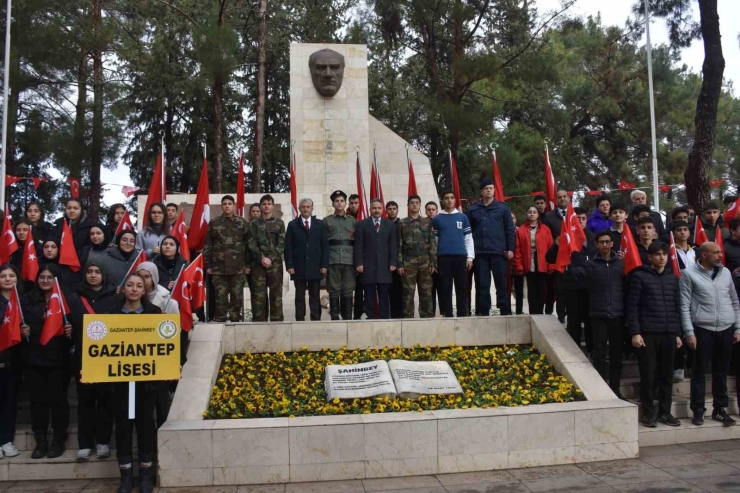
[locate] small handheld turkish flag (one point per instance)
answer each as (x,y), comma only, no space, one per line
(67,252)
(74,187)
(30,265)
(632,258)
(8,245)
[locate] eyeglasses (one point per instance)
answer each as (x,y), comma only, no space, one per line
(604,242)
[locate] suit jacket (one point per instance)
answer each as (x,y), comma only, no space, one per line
(554,221)
(376,252)
(306,251)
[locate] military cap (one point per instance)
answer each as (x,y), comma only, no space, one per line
(338,193)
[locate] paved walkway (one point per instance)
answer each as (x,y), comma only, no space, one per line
(688,468)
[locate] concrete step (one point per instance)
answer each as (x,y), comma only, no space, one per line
(688,433)
(680,406)
(23,468)
(630,387)
(24,439)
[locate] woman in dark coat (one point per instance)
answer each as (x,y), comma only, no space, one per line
(113,219)
(35,218)
(10,369)
(120,258)
(169,262)
(80,224)
(50,256)
(44,368)
(99,243)
(134,302)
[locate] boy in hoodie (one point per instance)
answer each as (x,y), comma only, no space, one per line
(654,324)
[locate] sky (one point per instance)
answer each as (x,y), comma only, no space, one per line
(612,12)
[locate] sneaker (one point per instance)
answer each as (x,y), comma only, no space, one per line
(698,418)
(678,376)
(721,415)
(668,419)
(649,422)
(84,454)
(102,451)
(8,450)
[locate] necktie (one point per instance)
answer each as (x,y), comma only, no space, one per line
(377,226)
(306,224)
(562,212)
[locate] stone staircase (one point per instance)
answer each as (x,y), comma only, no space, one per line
(687,432)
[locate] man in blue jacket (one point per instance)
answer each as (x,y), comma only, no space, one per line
(493,236)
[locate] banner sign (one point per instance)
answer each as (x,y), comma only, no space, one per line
(130,348)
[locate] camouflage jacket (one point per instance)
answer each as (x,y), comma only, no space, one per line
(226,244)
(415,239)
(267,239)
(341,233)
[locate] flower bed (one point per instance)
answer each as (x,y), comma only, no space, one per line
(268,385)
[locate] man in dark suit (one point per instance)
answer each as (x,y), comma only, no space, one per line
(307,259)
(376,258)
(554,221)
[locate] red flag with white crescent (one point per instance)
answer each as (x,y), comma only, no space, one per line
(632,258)
(10,330)
(565,248)
(30,264)
(125,224)
(550,186)
(674,258)
(181,294)
(732,211)
(74,187)
(700,236)
(180,231)
(239,188)
(67,251)
(56,309)
(201,212)
(578,236)
(8,244)
(194,273)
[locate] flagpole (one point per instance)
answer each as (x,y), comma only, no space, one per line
(61,302)
(129,269)
(177,279)
(164,174)
(656,196)
(23,320)
(6,82)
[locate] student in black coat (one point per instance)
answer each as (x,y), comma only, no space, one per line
(376,258)
(134,302)
(10,369)
(21,234)
(98,247)
(306,259)
(169,262)
(79,223)
(44,368)
(34,216)
(50,256)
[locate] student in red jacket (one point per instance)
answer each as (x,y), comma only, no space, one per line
(532,242)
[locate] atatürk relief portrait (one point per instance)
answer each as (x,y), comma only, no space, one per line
(327,71)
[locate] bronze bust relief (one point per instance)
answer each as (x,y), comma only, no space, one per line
(327,71)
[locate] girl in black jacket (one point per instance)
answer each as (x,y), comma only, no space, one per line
(9,370)
(35,218)
(98,248)
(169,262)
(50,256)
(44,368)
(79,223)
(134,302)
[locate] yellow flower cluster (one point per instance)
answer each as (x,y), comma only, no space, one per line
(292,384)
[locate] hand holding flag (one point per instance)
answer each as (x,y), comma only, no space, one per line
(30,265)
(55,323)
(8,245)
(674,258)
(179,231)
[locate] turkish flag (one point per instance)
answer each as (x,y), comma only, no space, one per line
(363,211)
(74,187)
(125,224)
(412,180)
(30,264)
(700,236)
(128,191)
(565,248)
(497,182)
(179,231)
(632,258)
(594,193)
(578,236)
(37,182)
(10,330)
(376,187)
(67,252)
(9,180)
(181,294)
(194,273)
(140,259)
(8,244)
(201,212)
(239,189)
(674,258)
(625,185)
(721,242)
(550,186)
(732,212)
(664,188)
(157,190)
(455,182)
(293,188)
(56,310)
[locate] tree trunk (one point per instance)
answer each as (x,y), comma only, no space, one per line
(80,112)
(96,151)
(169,116)
(259,138)
(700,157)
(218,132)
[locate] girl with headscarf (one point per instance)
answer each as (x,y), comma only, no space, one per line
(134,302)
(119,259)
(113,219)
(78,221)
(44,367)
(151,236)
(98,247)
(34,216)
(50,256)
(9,370)
(156,294)
(169,262)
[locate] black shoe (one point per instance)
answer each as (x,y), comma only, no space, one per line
(146,480)
(42,446)
(668,419)
(698,418)
(649,422)
(127,480)
(721,415)
(56,450)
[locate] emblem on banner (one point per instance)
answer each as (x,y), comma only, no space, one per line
(167,329)
(97,330)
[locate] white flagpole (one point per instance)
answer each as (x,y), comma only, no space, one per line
(6,89)
(168,299)
(656,197)
(164,179)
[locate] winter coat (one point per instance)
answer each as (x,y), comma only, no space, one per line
(116,266)
(523,253)
(306,251)
(708,303)
(652,302)
(732,253)
(168,271)
(41,231)
(148,239)
(94,252)
(376,252)
(52,355)
(596,223)
(493,229)
(605,283)
(80,231)
(657,221)
(568,281)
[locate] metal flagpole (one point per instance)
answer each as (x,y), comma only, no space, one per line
(164,177)
(656,197)
(6,82)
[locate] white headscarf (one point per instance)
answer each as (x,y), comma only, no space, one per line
(160,296)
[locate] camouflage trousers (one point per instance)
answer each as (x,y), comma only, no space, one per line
(264,279)
(229,297)
(417,274)
(341,280)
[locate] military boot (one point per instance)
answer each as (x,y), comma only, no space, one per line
(334,307)
(347,308)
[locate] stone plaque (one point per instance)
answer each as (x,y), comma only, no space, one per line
(414,378)
(371,379)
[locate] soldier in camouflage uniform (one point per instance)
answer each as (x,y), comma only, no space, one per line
(340,228)
(417,259)
(267,244)
(224,257)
